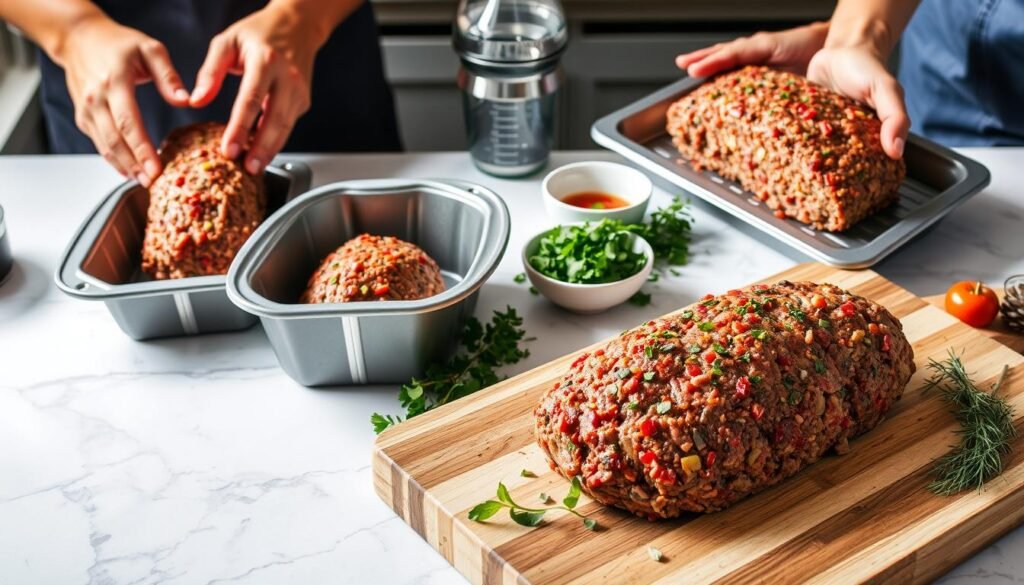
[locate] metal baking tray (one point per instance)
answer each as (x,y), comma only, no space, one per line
(938,180)
(464,227)
(102,263)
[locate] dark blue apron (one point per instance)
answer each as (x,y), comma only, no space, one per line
(962,66)
(352,107)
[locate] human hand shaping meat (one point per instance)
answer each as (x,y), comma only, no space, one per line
(273,50)
(103,62)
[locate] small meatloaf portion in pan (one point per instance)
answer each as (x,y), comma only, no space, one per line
(808,152)
(202,208)
(694,412)
(374,268)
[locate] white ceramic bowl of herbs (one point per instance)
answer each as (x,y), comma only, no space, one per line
(588,267)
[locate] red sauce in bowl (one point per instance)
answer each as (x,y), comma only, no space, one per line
(595,200)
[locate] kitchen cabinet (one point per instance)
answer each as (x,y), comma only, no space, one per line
(422,71)
(406,12)
(615,55)
(607,71)
(21,121)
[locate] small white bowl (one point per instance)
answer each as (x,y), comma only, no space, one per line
(588,298)
(605,177)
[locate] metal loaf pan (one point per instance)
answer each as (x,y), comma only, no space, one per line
(464,227)
(938,180)
(102,263)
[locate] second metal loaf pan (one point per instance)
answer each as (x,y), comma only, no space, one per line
(464,227)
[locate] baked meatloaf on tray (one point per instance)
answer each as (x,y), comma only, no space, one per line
(695,411)
(202,208)
(809,153)
(374,268)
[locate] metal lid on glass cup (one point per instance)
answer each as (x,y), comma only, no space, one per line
(510,32)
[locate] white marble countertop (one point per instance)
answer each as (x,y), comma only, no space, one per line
(197,460)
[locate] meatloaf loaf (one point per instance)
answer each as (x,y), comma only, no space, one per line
(693,412)
(808,152)
(202,208)
(374,268)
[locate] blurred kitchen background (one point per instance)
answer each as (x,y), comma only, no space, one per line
(619,51)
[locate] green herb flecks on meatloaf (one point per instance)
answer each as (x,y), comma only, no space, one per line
(808,152)
(695,411)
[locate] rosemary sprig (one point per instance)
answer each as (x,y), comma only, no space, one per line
(530,516)
(986,422)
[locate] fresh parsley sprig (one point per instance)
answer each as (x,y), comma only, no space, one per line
(668,231)
(640,299)
(530,516)
(986,422)
(486,348)
(592,253)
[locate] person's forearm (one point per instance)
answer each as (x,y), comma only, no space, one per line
(873,24)
(47,23)
(326,15)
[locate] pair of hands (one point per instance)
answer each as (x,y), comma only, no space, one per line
(272,49)
(856,71)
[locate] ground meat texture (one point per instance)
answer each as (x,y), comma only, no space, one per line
(808,152)
(202,208)
(374,268)
(695,411)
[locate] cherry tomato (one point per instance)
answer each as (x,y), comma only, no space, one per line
(972,302)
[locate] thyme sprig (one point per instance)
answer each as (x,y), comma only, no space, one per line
(487,347)
(530,516)
(986,428)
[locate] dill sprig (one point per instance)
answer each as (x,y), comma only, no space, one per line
(986,429)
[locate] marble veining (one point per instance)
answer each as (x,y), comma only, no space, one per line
(196,460)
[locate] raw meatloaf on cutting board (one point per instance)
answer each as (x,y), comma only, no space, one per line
(695,411)
(374,268)
(808,152)
(202,208)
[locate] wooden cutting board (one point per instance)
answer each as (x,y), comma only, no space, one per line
(864,516)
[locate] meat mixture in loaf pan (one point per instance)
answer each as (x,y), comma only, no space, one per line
(202,208)
(374,268)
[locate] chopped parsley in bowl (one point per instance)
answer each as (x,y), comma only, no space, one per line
(589,253)
(590,267)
